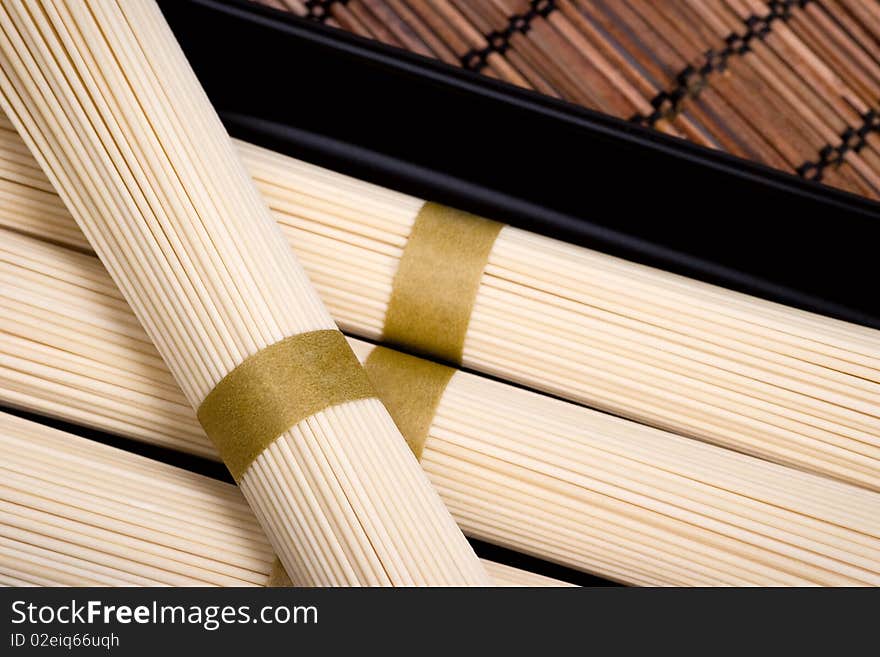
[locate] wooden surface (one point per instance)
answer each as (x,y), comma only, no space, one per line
(794,84)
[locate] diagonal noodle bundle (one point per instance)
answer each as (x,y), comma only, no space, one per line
(516,468)
(74,512)
(103,96)
(768,380)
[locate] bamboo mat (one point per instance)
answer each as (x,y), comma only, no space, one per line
(794,84)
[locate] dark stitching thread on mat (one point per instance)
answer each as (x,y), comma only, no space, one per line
(851,140)
(498,41)
(319,10)
(692,80)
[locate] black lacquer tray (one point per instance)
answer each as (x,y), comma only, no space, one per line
(426,128)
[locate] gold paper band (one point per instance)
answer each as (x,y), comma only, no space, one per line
(277,388)
(437,281)
(411,389)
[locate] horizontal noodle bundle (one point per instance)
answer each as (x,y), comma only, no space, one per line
(786,385)
(74,512)
(516,468)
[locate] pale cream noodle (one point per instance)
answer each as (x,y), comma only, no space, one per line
(765,379)
(74,512)
(105,99)
(518,469)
